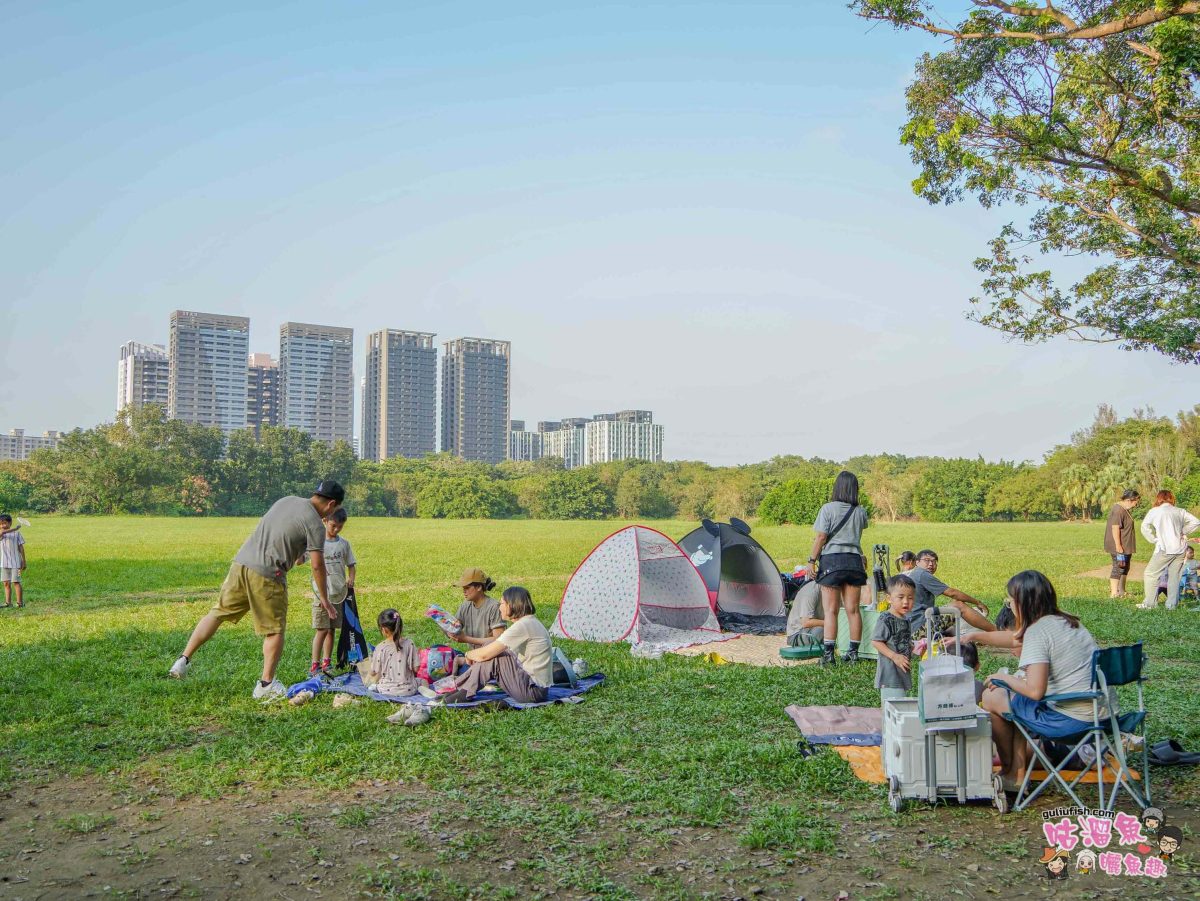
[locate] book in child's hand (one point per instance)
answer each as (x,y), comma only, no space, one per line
(448,623)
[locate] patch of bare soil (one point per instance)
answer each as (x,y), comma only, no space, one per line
(80,839)
(1133,581)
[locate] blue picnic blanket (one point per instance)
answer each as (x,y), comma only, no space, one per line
(351,683)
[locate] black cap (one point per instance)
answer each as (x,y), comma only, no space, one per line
(330,489)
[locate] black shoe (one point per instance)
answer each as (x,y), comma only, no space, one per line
(851,656)
(454,697)
(829,657)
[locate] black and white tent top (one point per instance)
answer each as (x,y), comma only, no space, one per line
(637,585)
(739,575)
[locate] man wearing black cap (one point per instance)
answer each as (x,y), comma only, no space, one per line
(257,580)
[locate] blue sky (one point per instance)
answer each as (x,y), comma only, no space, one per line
(697,208)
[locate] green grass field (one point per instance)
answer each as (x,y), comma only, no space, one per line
(668,743)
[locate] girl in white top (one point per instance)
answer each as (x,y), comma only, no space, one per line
(1168,527)
(520,660)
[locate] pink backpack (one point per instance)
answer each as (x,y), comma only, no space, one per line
(437,662)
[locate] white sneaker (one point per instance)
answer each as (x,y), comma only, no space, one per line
(268,692)
(179,668)
(402,714)
(420,716)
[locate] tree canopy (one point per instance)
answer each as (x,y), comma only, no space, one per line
(1088,113)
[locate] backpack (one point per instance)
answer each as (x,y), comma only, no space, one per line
(437,662)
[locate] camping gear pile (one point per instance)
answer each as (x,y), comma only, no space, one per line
(939,745)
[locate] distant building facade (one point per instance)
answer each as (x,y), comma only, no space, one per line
(143,374)
(316,380)
(621,437)
(399,395)
(16,445)
(208,369)
(626,435)
(262,392)
(476,385)
(523,445)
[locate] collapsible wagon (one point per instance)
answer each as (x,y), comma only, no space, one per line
(939,744)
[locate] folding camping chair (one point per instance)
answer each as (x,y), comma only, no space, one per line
(1110,667)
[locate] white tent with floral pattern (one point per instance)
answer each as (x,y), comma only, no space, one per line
(639,586)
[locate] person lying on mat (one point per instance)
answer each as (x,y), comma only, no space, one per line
(1056,658)
(520,660)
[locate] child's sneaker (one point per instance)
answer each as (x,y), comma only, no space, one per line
(179,668)
(851,656)
(828,656)
(402,714)
(301,698)
(419,717)
(314,669)
(270,691)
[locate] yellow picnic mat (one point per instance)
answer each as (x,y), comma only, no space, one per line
(866,762)
(753,650)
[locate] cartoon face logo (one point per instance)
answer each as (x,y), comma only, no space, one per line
(1169,840)
(1152,819)
(1085,862)
(700,556)
(1055,862)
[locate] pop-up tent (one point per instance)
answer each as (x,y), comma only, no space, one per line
(743,581)
(637,585)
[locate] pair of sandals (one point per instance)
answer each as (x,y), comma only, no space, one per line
(1169,752)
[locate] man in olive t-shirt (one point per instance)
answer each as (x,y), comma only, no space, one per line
(1120,540)
(257,580)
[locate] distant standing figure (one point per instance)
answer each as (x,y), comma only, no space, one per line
(12,561)
(1120,540)
(1168,527)
(843,569)
(257,580)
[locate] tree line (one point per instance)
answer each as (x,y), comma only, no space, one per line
(148,464)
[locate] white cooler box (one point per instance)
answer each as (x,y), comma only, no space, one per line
(959,767)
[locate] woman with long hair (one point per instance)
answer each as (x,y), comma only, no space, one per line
(1167,526)
(842,567)
(1056,658)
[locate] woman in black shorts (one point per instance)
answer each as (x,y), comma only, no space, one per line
(842,571)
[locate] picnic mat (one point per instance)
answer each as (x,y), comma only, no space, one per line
(865,761)
(838,725)
(351,683)
(753,650)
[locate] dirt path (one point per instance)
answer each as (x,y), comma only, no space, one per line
(80,839)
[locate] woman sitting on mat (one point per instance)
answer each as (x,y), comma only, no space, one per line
(1056,658)
(842,571)
(520,660)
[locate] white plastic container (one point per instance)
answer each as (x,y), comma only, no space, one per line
(927,765)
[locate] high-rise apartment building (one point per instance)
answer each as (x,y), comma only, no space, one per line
(16,445)
(568,443)
(262,392)
(523,445)
(207,377)
(476,383)
(143,372)
(316,380)
(399,398)
(627,435)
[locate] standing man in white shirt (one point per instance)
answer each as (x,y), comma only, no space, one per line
(1167,526)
